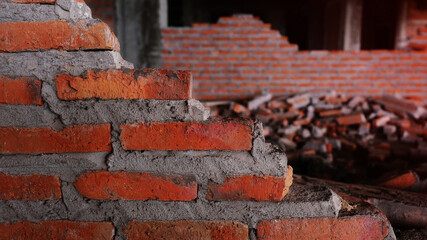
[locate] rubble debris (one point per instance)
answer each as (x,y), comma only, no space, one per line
(351,139)
(255,103)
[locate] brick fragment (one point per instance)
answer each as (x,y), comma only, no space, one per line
(33,36)
(360,227)
(401,181)
(251,188)
(66,230)
(142,84)
(381,121)
(224,134)
(218,230)
(351,119)
(20,91)
(29,187)
(329,113)
(78,138)
(136,186)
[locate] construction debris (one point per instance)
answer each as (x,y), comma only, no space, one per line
(351,139)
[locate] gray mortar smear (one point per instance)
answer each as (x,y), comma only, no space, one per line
(62,10)
(317,202)
(15,12)
(26,116)
(65,165)
(47,64)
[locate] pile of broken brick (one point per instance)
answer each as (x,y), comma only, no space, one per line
(377,140)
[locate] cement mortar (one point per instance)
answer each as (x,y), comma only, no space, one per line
(15,12)
(120,111)
(319,202)
(47,64)
(65,165)
(26,116)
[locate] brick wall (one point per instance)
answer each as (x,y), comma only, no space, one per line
(104,10)
(241,56)
(91,148)
(416,19)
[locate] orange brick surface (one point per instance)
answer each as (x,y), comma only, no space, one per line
(60,230)
(354,228)
(221,135)
(34,36)
(401,181)
(20,91)
(351,119)
(149,84)
(31,188)
(218,230)
(136,186)
(251,188)
(78,138)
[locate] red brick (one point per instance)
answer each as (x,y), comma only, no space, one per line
(61,230)
(29,187)
(136,186)
(110,84)
(223,134)
(251,188)
(351,119)
(77,138)
(33,36)
(218,230)
(361,227)
(20,91)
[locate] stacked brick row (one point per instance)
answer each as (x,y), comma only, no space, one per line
(240,56)
(92,149)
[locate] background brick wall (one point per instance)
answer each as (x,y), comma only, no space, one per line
(104,10)
(241,56)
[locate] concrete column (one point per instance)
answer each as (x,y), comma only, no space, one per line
(163,13)
(353,25)
(139,25)
(402,17)
(128,28)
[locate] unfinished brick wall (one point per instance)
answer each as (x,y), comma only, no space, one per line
(92,149)
(240,56)
(104,10)
(416,18)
